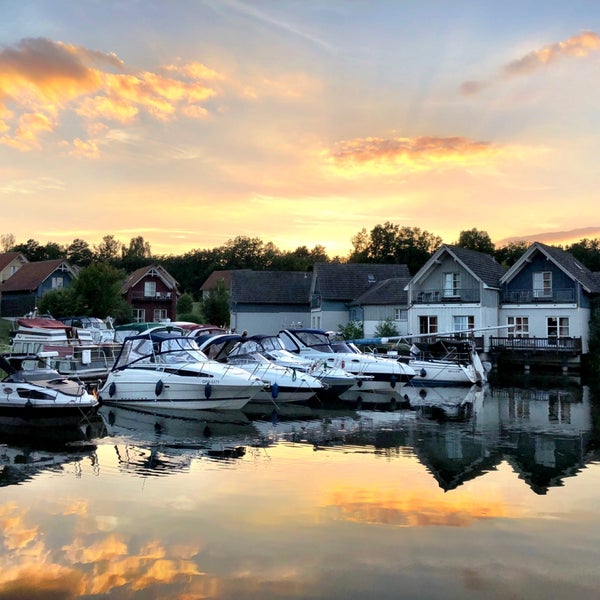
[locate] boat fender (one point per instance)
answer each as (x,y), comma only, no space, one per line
(159,387)
(275,390)
(112,388)
(359,383)
(393,381)
(207,432)
(422,393)
(423,373)
(207,390)
(293,374)
(343,364)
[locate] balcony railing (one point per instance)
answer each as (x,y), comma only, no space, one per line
(536,296)
(443,296)
(160,296)
(566,345)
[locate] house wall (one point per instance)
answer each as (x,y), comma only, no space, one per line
(374,315)
(434,280)
(11,268)
(538,314)
(257,319)
(329,316)
(164,298)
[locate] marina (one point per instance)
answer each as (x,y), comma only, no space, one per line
(376,499)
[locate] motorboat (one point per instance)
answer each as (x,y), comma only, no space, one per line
(160,370)
(32,390)
(70,350)
(442,362)
(336,379)
(101,330)
(373,373)
(286,383)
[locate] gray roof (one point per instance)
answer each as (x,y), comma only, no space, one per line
(572,266)
(482,265)
(565,261)
(347,281)
(388,291)
(270,287)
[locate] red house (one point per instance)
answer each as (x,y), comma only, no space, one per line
(152,292)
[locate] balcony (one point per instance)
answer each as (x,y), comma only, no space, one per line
(565,345)
(442,296)
(530,296)
(157,296)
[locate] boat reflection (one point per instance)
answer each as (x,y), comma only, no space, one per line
(46,445)
(155,443)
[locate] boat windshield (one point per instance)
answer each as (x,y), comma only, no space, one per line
(169,350)
(313,339)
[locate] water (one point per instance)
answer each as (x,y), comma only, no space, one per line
(494,495)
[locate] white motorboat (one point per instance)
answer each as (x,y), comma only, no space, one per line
(31,390)
(159,370)
(373,373)
(336,379)
(286,384)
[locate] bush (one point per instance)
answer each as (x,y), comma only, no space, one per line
(386,328)
(352,330)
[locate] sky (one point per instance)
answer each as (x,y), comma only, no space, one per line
(299,122)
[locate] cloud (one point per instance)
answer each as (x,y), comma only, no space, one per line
(389,155)
(41,80)
(577,46)
(555,237)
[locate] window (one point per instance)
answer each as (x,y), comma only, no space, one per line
(557,327)
(542,284)
(520,327)
(400,314)
(139,315)
(160,314)
(58,283)
(463,322)
(150,289)
(451,285)
(428,324)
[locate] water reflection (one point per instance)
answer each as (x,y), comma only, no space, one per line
(362,499)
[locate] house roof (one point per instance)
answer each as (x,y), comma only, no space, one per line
(139,274)
(481,265)
(388,291)
(347,281)
(8,257)
(270,287)
(214,278)
(564,261)
(31,275)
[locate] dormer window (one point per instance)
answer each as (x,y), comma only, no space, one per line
(451,285)
(542,284)
(371,278)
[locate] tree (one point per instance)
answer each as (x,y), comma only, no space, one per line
(474,239)
(247,253)
(108,250)
(386,328)
(185,304)
(587,252)
(7,242)
(79,253)
(59,303)
(215,307)
(98,290)
(508,255)
(392,244)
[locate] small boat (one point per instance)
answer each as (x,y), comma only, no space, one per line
(76,354)
(159,370)
(373,373)
(31,390)
(286,384)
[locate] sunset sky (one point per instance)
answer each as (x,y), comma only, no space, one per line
(191,122)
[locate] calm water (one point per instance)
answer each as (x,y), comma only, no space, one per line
(495,495)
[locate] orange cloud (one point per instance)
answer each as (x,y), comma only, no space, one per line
(40,79)
(577,46)
(379,155)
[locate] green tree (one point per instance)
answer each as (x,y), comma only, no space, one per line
(7,242)
(109,250)
(474,239)
(508,255)
(386,328)
(215,307)
(79,253)
(352,330)
(587,252)
(59,303)
(185,304)
(98,290)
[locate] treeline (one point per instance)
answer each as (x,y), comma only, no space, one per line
(387,243)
